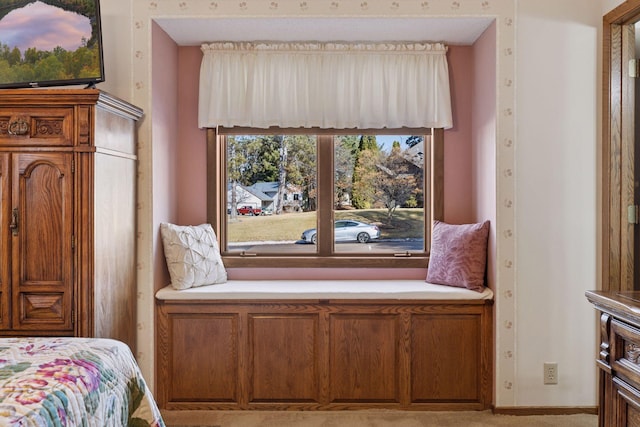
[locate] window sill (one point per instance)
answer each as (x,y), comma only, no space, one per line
(265,261)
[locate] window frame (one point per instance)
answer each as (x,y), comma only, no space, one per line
(324,257)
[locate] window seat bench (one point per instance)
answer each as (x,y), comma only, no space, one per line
(323,289)
(324,344)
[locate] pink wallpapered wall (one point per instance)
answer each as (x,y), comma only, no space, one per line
(191,159)
(166,189)
(484,181)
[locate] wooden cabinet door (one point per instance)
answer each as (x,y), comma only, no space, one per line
(625,404)
(5,241)
(42,241)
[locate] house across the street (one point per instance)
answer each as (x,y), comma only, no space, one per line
(264,195)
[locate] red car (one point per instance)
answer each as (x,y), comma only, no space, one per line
(249,210)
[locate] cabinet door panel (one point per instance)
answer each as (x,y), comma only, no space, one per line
(5,242)
(626,404)
(208,371)
(290,374)
(445,344)
(363,358)
(42,192)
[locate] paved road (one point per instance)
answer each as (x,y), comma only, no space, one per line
(380,246)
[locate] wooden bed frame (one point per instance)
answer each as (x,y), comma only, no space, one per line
(315,354)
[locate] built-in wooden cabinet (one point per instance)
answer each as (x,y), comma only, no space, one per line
(67,213)
(304,354)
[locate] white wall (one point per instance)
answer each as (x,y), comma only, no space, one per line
(557,144)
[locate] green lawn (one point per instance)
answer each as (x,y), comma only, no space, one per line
(289,226)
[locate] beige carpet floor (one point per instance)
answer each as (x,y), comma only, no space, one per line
(370,418)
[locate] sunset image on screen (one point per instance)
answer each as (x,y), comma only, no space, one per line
(48,41)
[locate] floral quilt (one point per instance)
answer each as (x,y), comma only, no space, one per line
(73,382)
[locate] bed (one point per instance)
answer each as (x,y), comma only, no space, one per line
(72,382)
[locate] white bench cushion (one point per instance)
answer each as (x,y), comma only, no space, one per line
(324,289)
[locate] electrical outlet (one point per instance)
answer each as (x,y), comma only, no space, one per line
(551,373)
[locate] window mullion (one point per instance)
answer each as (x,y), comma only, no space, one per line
(325,195)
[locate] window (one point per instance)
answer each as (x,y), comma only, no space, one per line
(302,198)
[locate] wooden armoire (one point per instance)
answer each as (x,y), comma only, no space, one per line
(67,214)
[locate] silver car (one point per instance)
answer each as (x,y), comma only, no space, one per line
(347,230)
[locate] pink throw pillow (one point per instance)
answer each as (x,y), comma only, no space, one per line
(458,255)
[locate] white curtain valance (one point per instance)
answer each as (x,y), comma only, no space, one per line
(326,85)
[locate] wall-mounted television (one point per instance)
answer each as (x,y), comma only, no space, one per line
(50,43)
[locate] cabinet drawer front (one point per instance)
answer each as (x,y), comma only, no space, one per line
(36,126)
(625,351)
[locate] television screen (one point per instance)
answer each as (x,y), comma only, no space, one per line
(50,43)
